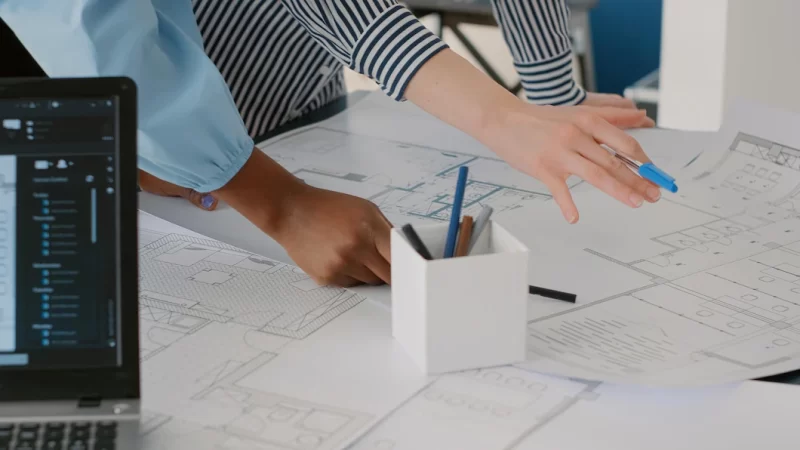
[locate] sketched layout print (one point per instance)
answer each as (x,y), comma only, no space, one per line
(201,333)
(478,409)
(211,281)
(410,183)
(734,280)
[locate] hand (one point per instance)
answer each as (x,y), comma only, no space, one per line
(337,238)
(553,143)
(549,143)
(613,100)
(157,186)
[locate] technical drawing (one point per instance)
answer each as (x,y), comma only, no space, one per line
(409,183)
(480,409)
(196,380)
(212,281)
(725,293)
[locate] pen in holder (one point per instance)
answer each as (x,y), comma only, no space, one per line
(460,313)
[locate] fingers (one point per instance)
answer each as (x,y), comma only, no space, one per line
(364,275)
(620,171)
(379,266)
(605,133)
(624,117)
(202,201)
(562,197)
(619,102)
(157,186)
(601,179)
(341,280)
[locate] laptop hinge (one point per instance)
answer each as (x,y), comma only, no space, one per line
(90,401)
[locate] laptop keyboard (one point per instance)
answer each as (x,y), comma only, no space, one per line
(58,436)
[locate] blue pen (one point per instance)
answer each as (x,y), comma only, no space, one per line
(648,171)
(455,215)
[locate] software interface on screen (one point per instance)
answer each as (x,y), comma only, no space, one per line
(58,233)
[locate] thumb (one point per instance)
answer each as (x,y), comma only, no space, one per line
(202,201)
(157,186)
(625,117)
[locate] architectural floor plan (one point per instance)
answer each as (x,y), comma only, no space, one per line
(243,352)
(212,314)
(717,295)
(410,183)
(216,375)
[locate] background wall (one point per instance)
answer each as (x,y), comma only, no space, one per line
(627,41)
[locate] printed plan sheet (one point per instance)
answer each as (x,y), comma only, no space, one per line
(242,352)
(701,288)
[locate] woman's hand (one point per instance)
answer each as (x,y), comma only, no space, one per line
(552,143)
(337,239)
(612,100)
(546,142)
(157,186)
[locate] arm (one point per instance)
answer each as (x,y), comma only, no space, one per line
(537,34)
(378,38)
(190,132)
(384,41)
(191,138)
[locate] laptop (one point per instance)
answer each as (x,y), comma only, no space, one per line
(69,344)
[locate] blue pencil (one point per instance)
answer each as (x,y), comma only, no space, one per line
(455,216)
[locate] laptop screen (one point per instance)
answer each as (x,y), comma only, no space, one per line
(59,234)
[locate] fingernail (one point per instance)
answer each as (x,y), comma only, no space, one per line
(573,219)
(636,200)
(207,201)
(653,193)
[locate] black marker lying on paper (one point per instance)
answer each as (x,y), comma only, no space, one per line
(555,295)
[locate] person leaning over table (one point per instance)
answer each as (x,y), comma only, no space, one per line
(282,58)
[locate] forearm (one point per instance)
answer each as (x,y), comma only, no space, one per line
(537,35)
(262,191)
(377,38)
(190,132)
(452,89)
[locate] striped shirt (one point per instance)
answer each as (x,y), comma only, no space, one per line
(284,59)
(211,74)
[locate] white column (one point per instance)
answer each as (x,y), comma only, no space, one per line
(714,51)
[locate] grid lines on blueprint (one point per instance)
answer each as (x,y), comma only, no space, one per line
(210,280)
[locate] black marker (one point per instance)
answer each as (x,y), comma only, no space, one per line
(556,295)
(416,242)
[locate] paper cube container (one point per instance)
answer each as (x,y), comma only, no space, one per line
(460,313)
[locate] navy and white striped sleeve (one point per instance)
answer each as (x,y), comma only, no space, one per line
(537,33)
(378,38)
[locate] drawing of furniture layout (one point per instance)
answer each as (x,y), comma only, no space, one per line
(732,283)
(410,183)
(480,409)
(194,400)
(187,282)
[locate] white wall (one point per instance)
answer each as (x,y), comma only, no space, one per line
(717,50)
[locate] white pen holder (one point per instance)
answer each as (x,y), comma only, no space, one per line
(464,312)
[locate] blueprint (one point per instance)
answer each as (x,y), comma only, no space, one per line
(705,286)
(225,385)
(410,183)
(216,378)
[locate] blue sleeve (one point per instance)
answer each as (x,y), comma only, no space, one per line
(190,132)
(377,38)
(537,33)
